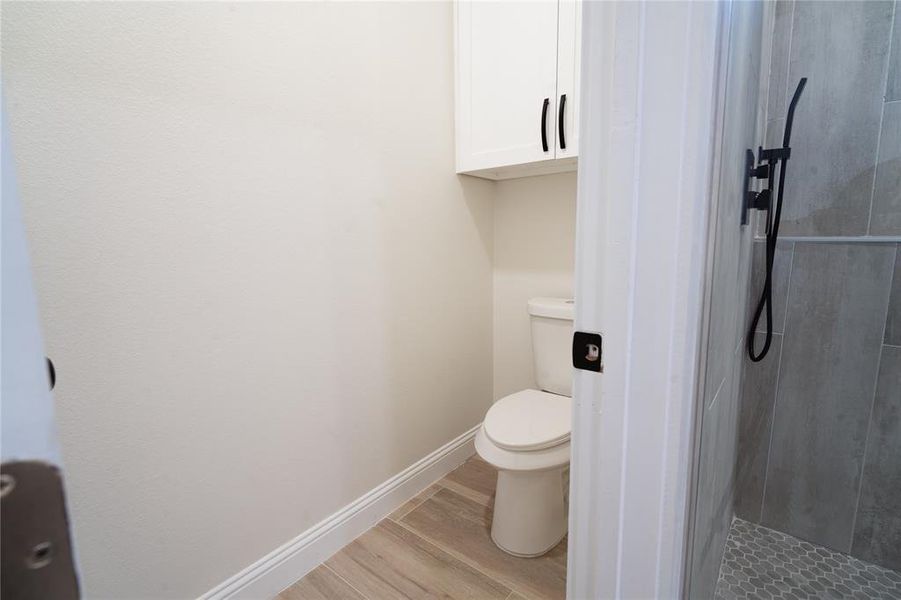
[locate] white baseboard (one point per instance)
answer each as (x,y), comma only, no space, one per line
(283,566)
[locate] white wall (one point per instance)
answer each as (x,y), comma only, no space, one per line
(534,239)
(264,288)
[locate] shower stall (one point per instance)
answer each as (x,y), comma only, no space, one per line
(797,486)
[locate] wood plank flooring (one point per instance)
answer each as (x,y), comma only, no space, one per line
(437,545)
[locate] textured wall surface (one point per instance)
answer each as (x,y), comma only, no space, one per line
(819,453)
(263,286)
(534,245)
(728,290)
(840,133)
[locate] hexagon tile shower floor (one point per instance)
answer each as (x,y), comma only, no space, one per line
(764,564)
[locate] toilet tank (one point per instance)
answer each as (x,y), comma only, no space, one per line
(552,330)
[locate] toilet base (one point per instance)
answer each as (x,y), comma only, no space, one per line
(529,511)
(518,555)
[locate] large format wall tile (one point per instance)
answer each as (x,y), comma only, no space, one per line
(732,244)
(729,286)
(758,393)
(781,268)
(782,25)
(715,476)
(830,352)
(893,87)
(842,47)
(886,213)
(877,534)
(893,320)
(708,467)
(729,296)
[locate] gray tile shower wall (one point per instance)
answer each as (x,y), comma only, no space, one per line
(838,298)
(731,255)
(877,532)
(758,396)
(820,418)
(843,49)
(781,268)
(893,321)
(885,216)
(778,78)
(893,84)
(819,453)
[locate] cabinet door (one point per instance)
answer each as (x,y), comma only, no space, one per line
(506,68)
(569,45)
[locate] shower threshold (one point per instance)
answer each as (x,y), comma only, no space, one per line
(764,564)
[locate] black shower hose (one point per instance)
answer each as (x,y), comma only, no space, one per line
(772,235)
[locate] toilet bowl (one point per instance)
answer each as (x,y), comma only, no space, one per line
(525,436)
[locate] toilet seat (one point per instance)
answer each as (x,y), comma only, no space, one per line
(555,457)
(525,436)
(529,420)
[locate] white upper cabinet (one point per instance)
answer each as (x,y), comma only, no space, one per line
(569,46)
(517,76)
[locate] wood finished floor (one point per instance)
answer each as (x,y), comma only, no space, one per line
(437,545)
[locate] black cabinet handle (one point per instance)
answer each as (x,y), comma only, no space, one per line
(544,124)
(560,122)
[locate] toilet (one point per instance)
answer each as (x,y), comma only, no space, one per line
(525,436)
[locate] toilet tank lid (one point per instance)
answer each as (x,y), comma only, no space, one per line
(552,308)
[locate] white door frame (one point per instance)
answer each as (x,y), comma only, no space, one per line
(649,105)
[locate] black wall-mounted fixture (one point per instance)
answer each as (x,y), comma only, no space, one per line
(767,161)
(588,351)
(51,372)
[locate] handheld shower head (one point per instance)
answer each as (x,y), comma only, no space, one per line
(764,200)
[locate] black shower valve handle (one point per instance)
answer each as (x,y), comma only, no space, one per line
(761,171)
(760,200)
